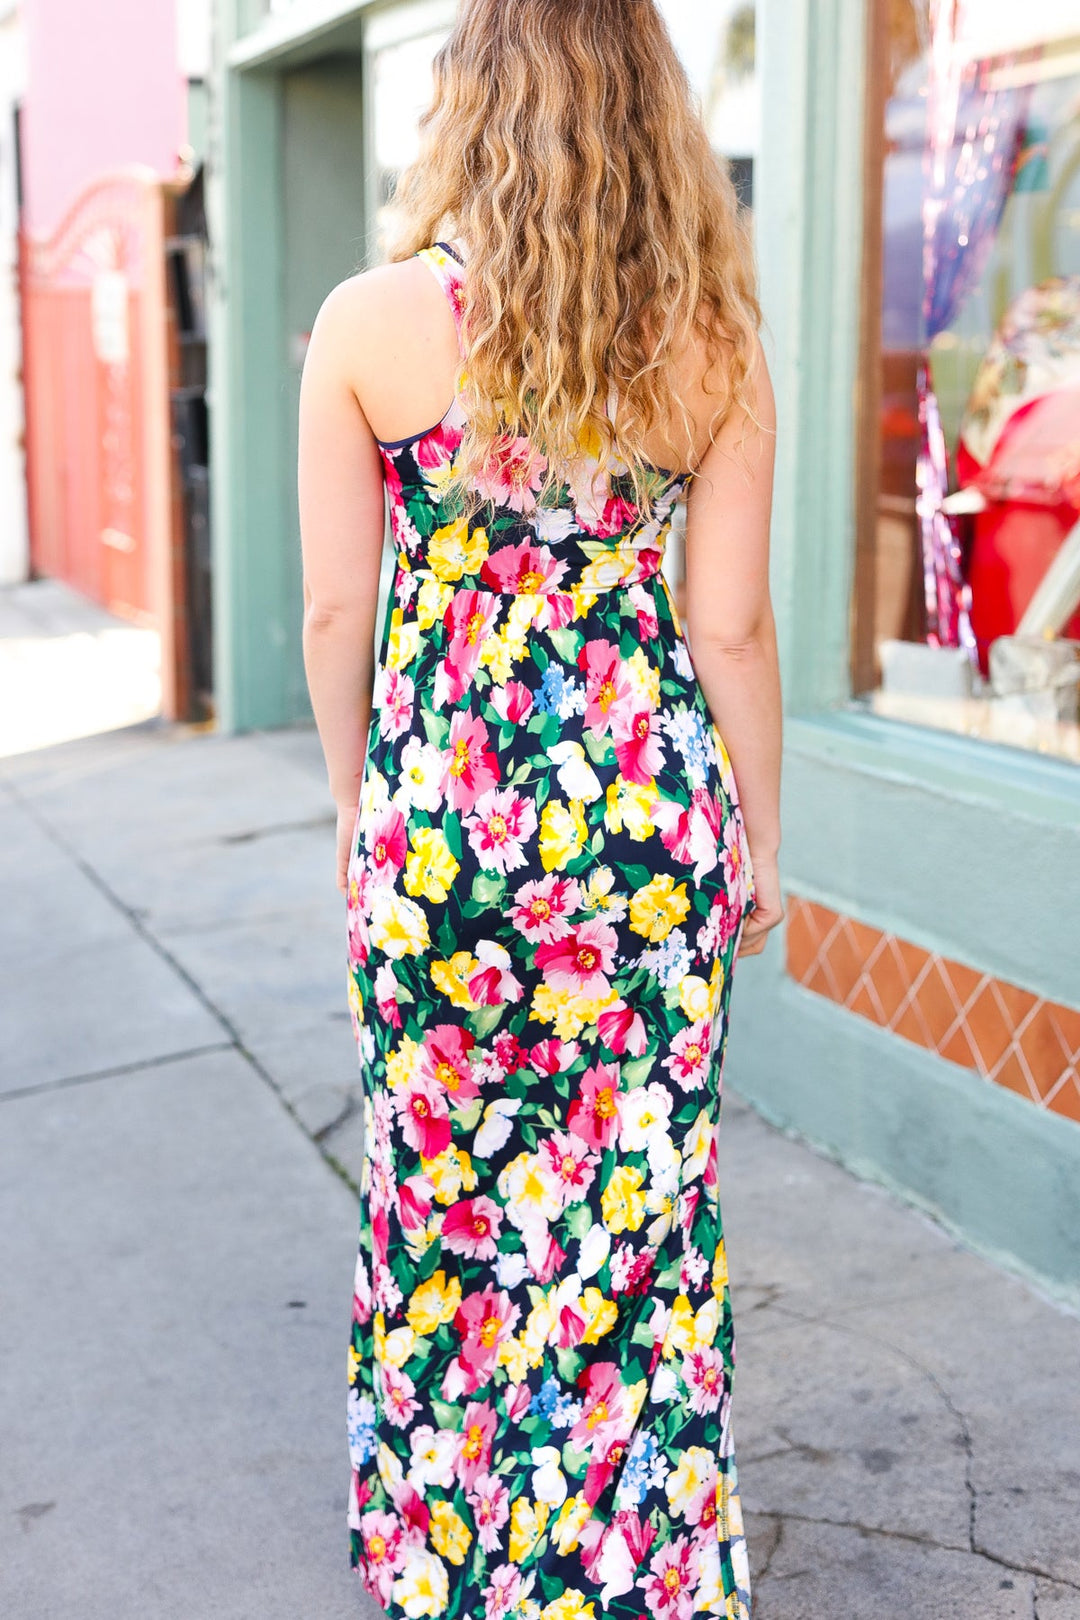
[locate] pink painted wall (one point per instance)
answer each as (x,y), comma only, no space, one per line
(104,88)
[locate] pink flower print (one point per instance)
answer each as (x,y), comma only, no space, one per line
(435,451)
(512,474)
(493,983)
(689,1057)
(490,1502)
(615,516)
(637,745)
(468,618)
(477,1432)
(503,1589)
(384,1552)
(483,1321)
(361,1305)
(386,842)
(413,1511)
(607,687)
(398,1401)
(600,1470)
(721,923)
(445,1058)
(672,1580)
(415,1196)
(394,701)
(509,1051)
(734,863)
(393,481)
(541,908)
(471,1227)
(615,1554)
(552,1056)
(603,1406)
(512,702)
(622,1030)
(594,1113)
(580,962)
(386,995)
(545,1254)
(692,835)
(524,570)
(424,1115)
(703,1372)
(568,1164)
(470,767)
(645,607)
(498,827)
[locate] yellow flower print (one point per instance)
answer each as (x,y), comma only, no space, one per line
(526,1527)
(397,1346)
(434,1302)
(600,1315)
(398,926)
(574,1515)
(644,678)
(562,833)
(567,1014)
(451,1174)
(423,1586)
(655,909)
(689,1330)
(432,601)
(695,998)
(401,1064)
(622,1201)
(453,551)
(720,1270)
(695,1466)
(514,1356)
(452,978)
(631,805)
(449,1533)
(356,1000)
(403,642)
(583,600)
(430,868)
(569,1605)
(525,1184)
(499,652)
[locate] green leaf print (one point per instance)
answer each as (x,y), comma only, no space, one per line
(437,727)
(637,876)
(452,834)
(578,1219)
(637,1071)
(567,643)
(488,890)
(569,1364)
(574,1462)
(484,1020)
(467,1118)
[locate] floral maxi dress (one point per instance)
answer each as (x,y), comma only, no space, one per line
(548,880)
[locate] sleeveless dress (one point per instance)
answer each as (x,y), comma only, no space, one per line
(548,880)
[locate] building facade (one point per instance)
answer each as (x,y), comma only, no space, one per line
(916,1017)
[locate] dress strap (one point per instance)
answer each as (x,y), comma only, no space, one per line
(449,272)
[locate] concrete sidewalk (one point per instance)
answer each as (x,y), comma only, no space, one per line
(177,1123)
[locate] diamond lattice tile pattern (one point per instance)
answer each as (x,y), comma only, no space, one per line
(1010,1035)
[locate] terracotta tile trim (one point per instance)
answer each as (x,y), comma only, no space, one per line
(1011,1036)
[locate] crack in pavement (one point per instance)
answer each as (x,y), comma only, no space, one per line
(136,921)
(916,1540)
(90,1075)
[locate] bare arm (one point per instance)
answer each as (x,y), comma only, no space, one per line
(340,486)
(731,630)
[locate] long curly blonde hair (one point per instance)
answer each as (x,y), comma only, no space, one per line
(563,145)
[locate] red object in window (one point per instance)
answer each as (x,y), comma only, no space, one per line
(1032,487)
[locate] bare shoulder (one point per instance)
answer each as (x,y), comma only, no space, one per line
(359,317)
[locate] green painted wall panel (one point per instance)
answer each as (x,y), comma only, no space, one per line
(1000,1173)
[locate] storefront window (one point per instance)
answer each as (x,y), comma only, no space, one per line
(967,581)
(400,46)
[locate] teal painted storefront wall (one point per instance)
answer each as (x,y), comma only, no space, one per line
(965,848)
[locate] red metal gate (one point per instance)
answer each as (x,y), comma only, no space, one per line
(100,475)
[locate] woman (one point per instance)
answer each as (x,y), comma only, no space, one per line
(549,869)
